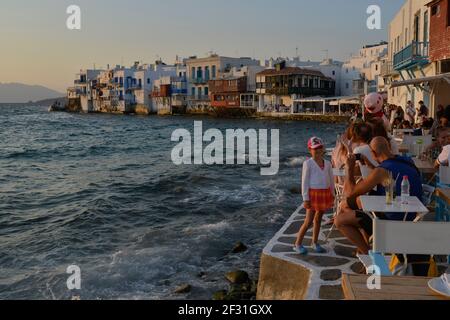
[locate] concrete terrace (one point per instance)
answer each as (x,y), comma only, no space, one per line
(311,277)
(286,275)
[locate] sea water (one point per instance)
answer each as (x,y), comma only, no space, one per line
(101,192)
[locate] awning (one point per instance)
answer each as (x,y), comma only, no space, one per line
(441,77)
(342,100)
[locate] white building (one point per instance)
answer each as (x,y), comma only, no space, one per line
(201,70)
(360,71)
(83,85)
(169,92)
(408,57)
(125,90)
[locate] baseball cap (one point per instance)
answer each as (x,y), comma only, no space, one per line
(315,143)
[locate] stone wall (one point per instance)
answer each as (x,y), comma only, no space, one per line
(141,109)
(304,117)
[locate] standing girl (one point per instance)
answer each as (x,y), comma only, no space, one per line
(318,194)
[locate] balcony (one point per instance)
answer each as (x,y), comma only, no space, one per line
(200,80)
(135,87)
(78,82)
(387,69)
(198,98)
(413,55)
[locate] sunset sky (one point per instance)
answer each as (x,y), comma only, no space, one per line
(37,48)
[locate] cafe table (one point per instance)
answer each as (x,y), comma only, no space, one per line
(377,204)
(425,166)
(392,288)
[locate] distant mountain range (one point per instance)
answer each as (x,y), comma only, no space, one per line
(23,93)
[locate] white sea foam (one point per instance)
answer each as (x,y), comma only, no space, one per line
(296,161)
(208,227)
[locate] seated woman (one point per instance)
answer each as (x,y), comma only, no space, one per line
(362,135)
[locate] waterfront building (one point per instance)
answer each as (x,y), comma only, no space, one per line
(83,85)
(201,70)
(278,88)
(331,69)
(440,51)
(169,93)
(408,57)
(235,89)
(127,90)
(419,54)
(361,73)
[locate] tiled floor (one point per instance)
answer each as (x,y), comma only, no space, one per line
(326,268)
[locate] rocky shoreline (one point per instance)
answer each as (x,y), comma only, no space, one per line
(232,113)
(241,286)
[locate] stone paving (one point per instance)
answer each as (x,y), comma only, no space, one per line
(326,269)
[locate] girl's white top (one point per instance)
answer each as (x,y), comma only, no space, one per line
(313,177)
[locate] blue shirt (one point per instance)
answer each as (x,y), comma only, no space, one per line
(400,167)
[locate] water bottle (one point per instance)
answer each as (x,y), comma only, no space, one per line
(405,190)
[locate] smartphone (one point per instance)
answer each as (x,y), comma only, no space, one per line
(358,157)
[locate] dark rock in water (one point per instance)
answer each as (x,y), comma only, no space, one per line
(295,190)
(220,295)
(179,190)
(237,277)
(201,274)
(241,292)
(186,288)
(239,247)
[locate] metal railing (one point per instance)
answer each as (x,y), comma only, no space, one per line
(198,98)
(200,80)
(415,53)
(387,68)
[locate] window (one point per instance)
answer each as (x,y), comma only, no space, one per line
(347,85)
(199,92)
(193,72)
(334,73)
(207,73)
(193,92)
(148,80)
(416,27)
(448,14)
(435,10)
(425,27)
(206,91)
(213,72)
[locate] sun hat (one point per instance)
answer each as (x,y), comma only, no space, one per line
(315,143)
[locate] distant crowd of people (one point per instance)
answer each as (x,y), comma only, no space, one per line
(410,117)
